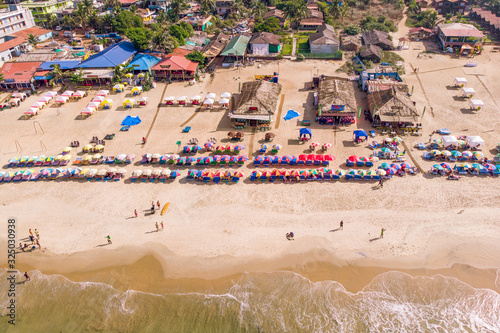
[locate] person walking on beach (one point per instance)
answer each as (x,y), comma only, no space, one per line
(158,204)
(37,234)
(381,183)
(157,228)
(382,233)
(38,243)
(109,239)
(27,276)
(32,239)
(31,232)
(21,246)
(135,212)
(161,225)
(341,225)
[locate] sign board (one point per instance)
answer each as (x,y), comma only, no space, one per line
(338,107)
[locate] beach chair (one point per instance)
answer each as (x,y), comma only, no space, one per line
(317,162)
(186,129)
(35,176)
(358,177)
(367,177)
(134,179)
(349,163)
(421,146)
(428,156)
(78,161)
(293,162)
(327,176)
(393,131)
(376,177)
(372,133)
(124,128)
(216,180)
(383,130)
(262,150)
(360,164)
(484,172)
(369,163)
(335,177)
(374,145)
(325,163)
(349,177)
(236,179)
(309,162)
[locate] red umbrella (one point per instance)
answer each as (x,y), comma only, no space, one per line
(302,157)
(276,173)
(311,157)
(328,158)
(319,157)
(353,158)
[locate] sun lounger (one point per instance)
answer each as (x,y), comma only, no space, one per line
(7,178)
(35,176)
(186,129)
(78,161)
(369,163)
(335,177)
(367,177)
(376,177)
(124,128)
(360,164)
(17,177)
(349,163)
(309,162)
(358,177)
(349,177)
(327,176)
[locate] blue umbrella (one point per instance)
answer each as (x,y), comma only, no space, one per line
(291,114)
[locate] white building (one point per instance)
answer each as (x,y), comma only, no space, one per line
(15,18)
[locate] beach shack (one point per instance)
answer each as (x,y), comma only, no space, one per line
(143,100)
(460,82)
(137,90)
(392,106)
(256,105)
(336,102)
(18,75)
(175,67)
(456,35)
(467,92)
(476,104)
(128,103)
(449,141)
(235,51)
(143,62)
(118,88)
(107,103)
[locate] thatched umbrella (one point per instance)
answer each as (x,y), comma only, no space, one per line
(231,134)
(240,134)
(270,135)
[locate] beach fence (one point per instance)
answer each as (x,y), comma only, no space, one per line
(333,56)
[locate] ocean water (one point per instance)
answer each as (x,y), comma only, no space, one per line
(258,302)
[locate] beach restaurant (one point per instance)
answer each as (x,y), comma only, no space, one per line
(335,101)
(256,105)
(460,36)
(18,75)
(392,106)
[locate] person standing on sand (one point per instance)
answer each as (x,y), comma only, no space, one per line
(109,239)
(382,233)
(37,234)
(161,225)
(27,276)
(22,247)
(341,225)
(31,232)
(156,225)
(158,204)
(38,243)
(381,183)
(135,212)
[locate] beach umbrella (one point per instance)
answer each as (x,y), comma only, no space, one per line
(294,173)
(191,159)
(265,146)
(216,158)
(456,153)
(165,172)
(319,157)
(46,172)
(229,148)
(238,174)
(242,158)
(324,170)
(446,166)
(315,144)
(66,158)
(381,172)
(67,149)
(388,140)
(101,172)
(208,144)
(352,172)
(130,157)
(169,99)
(478,154)
(207,159)
(277,147)
(37,105)
(477,166)
(122,171)
(175,173)
(19,173)
(208,101)
(397,139)
(225,95)
(276,173)
(446,153)
(435,152)
(373,158)
(195,98)
(311,157)
(147,172)
(193,173)
(438,167)
(466,166)
(197,147)
(239,147)
(328,158)
(405,165)
(490,167)
(219,173)
(385,165)
(304,173)
(327,145)
(256,174)
(220,148)
(461,142)
(466,153)
(385,150)
(396,166)
(438,141)
(228,173)
(362,173)
(363,159)
(224,101)
(181,160)
(99,147)
(211,96)
(302,157)
(233,159)
(340,172)
(391,171)
(370,173)
(313,172)
(103,93)
(225,158)
(61,99)
(79,93)
(277,159)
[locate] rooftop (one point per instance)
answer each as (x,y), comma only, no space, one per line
(275,13)
(393,105)
(65,64)
(460,30)
(265,38)
(111,56)
(325,35)
(332,91)
(176,63)
(216,45)
(20,72)
(258,98)
(236,46)
(22,37)
(143,62)
(377,37)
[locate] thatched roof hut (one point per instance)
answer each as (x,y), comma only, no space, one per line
(379,38)
(337,93)
(393,105)
(258,100)
(371,52)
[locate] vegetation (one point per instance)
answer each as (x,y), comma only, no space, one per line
(418,18)
(33,40)
(119,73)
(126,20)
(77,77)
(300,57)
(57,74)
(352,29)
(198,57)
(140,37)
(272,24)
(381,23)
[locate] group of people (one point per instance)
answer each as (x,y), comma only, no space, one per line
(34,239)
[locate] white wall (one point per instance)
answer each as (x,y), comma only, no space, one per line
(260,49)
(324,48)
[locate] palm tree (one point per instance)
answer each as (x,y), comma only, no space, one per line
(95,21)
(57,74)
(50,20)
(208,6)
(33,40)
(259,10)
(177,7)
(162,42)
(77,77)
(119,73)
(430,19)
(68,21)
(162,18)
(1,77)
(133,9)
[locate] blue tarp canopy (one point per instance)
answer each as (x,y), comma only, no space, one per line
(111,56)
(143,62)
(360,133)
(305,131)
(291,114)
(65,64)
(131,121)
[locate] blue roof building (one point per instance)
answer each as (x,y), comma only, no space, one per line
(112,56)
(143,62)
(65,64)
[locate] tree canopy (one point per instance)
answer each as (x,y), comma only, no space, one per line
(140,37)
(126,20)
(272,24)
(196,56)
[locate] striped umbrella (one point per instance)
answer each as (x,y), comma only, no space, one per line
(191,159)
(277,147)
(340,172)
(228,174)
(478,154)
(276,173)
(286,173)
(303,173)
(242,158)
(446,153)
(327,145)
(239,148)
(362,172)
(364,159)
(352,172)
(233,159)
(313,172)
(257,174)
(385,165)
(456,153)
(238,174)
(438,167)
(396,166)
(371,173)
(181,160)
(381,172)
(219,173)
(446,166)
(295,173)
(265,146)
(208,144)
(435,152)
(266,174)
(466,153)
(315,144)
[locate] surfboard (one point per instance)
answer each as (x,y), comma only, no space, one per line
(164,209)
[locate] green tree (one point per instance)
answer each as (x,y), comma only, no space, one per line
(197,56)
(126,20)
(188,28)
(57,74)
(33,40)
(295,10)
(179,33)
(140,37)
(207,6)
(119,73)
(430,18)
(1,77)
(352,29)
(175,8)
(68,21)
(272,24)
(50,21)
(163,42)
(259,10)
(77,77)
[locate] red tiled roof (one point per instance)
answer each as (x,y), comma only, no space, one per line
(19,71)
(21,37)
(420,29)
(178,51)
(460,30)
(128,2)
(175,63)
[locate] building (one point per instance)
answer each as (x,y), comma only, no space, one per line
(277,14)
(456,35)
(256,105)
(311,4)
(15,44)
(487,19)
(454,7)
(392,105)
(235,50)
(336,103)
(371,52)
(40,8)
(421,33)
(158,4)
(175,67)
(128,3)
(379,38)
(350,43)
(225,7)
(313,20)
(264,44)
(15,18)
(18,75)
(215,46)
(324,41)
(143,62)
(199,23)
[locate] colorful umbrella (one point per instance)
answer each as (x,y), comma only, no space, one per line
(277,159)
(286,173)
(175,173)
(446,166)
(438,141)
(311,157)
(295,173)
(477,166)
(388,140)
(435,152)
(315,144)
(181,160)
(385,165)
(381,172)
(489,166)
(405,165)
(225,158)
(466,153)
(466,166)
(438,167)
(239,147)
(364,159)
(353,158)
(208,144)
(197,147)
(313,172)
(219,173)
(397,139)
(277,147)
(446,153)
(328,158)
(265,146)
(371,173)
(242,158)
(374,158)
(478,154)
(276,173)
(257,174)
(319,157)
(396,166)
(456,153)
(303,173)
(327,145)
(238,174)
(221,148)
(302,157)
(266,174)
(391,171)
(362,172)
(228,174)
(233,159)
(461,142)
(193,173)
(385,150)
(191,159)
(352,172)
(340,172)
(207,159)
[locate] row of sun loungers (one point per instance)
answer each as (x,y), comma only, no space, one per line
(184,160)
(98,159)
(216,177)
(306,160)
(476,169)
(62,174)
(154,175)
(30,161)
(317,174)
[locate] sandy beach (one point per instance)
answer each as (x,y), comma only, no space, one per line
(214,233)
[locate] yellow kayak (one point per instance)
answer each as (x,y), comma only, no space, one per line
(165,208)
